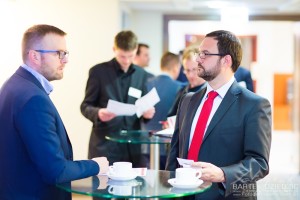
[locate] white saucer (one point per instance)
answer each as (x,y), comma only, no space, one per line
(128,176)
(132,182)
(175,184)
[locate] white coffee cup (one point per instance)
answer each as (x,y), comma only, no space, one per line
(121,169)
(123,190)
(187,175)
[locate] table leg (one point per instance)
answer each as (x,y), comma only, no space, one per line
(154,156)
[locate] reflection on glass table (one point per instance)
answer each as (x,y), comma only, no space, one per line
(153,185)
(142,137)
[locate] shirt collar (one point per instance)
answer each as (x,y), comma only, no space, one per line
(44,82)
(119,69)
(222,90)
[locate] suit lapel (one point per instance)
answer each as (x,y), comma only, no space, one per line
(230,97)
(188,118)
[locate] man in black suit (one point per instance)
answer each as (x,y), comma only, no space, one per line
(235,148)
(119,80)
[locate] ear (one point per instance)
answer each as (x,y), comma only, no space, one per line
(227,60)
(34,56)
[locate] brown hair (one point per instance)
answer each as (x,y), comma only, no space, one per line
(228,44)
(35,34)
(168,60)
(140,45)
(126,40)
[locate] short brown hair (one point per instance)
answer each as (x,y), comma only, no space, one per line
(35,34)
(126,40)
(168,60)
(228,44)
(140,45)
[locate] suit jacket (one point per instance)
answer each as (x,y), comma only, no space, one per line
(237,140)
(35,150)
(167,89)
(104,83)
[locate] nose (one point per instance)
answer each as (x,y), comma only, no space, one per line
(65,60)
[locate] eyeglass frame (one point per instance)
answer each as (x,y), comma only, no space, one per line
(205,54)
(61,54)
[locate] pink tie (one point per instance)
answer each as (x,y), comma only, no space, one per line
(201,125)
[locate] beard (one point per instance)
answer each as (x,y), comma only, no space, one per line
(211,74)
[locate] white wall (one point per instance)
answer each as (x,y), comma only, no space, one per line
(148,26)
(91,26)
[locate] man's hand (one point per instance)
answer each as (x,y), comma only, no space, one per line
(149,113)
(103,164)
(210,172)
(104,115)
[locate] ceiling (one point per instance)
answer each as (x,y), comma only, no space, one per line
(212,7)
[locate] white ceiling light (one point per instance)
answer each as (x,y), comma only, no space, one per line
(234,15)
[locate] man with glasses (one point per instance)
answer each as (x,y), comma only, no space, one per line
(226,129)
(190,69)
(120,80)
(35,151)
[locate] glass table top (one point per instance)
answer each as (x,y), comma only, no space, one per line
(137,137)
(153,185)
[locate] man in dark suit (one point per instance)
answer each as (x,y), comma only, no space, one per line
(122,81)
(235,148)
(35,150)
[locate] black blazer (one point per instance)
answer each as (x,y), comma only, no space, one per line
(103,84)
(237,140)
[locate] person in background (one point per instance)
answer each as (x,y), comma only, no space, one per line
(181,77)
(231,141)
(243,77)
(142,57)
(167,88)
(35,150)
(195,83)
(120,80)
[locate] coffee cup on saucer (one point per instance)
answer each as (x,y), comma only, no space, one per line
(123,190)
(187,175)
(121,169)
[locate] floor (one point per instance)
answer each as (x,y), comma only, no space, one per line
(283,182)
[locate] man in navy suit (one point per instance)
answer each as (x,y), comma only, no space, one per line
(244,78)
(235,148)
(35,150)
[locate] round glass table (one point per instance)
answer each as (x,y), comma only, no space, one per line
(153,185)
(142,137)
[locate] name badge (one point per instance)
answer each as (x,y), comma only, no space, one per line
(134,92)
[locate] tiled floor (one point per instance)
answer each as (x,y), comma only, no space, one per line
(283,182)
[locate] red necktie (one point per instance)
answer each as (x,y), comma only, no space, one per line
(201,125)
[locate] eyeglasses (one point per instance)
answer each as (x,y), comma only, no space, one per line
(203,55)
(61,54)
